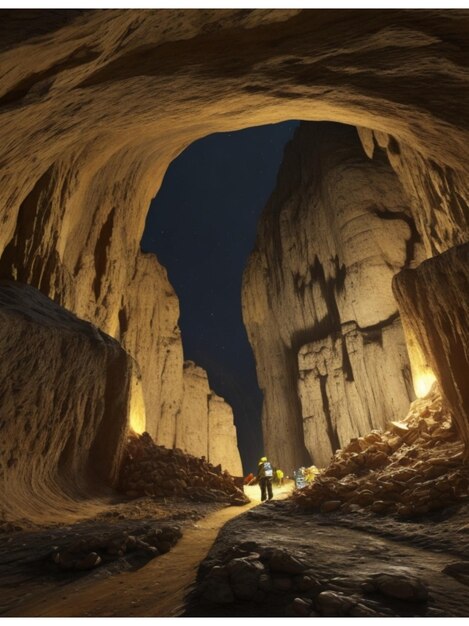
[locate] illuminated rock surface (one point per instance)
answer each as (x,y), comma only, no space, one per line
(414,467)
(222,448)
(94,105)
(434,300)
(64,403)
(205,424)
(317,296)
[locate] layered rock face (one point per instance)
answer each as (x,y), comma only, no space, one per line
(205,424)
(155,343)
(222,436)
(434,303)
(65,396)
(95,104)
(317,297)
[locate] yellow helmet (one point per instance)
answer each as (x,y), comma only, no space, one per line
(263,459)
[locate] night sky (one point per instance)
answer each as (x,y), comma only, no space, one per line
(202,227)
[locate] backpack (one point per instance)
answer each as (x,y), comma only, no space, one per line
(268,471)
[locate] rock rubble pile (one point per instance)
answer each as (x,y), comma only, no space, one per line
(152,470)
(411,469)
(263,575)
(90,552)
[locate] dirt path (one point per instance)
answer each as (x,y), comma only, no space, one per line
(156,590)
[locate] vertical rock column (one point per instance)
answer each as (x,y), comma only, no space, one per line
(222,437)
(205,424)
(192,421)
(434,303)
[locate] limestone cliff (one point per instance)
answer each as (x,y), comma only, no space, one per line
(65,396)
(222,437)
(205,424)
(317,296)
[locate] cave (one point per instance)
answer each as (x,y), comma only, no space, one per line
(119,463)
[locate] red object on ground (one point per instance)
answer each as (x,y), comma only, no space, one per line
(248,478)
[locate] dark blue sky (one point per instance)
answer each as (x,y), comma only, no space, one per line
(202,227)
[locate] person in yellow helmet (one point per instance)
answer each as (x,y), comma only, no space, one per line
(279,476)
(265,473)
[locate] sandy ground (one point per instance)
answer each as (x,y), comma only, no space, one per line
(157,588)
(253,492)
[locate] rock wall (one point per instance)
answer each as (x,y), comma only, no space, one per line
(222,436)
(317,296)
(95,104)
(192,422)
(438,194)
(434,303)
(351,383)
(205,424)
(151,299)
(65,394)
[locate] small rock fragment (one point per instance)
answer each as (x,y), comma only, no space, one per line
(286,563)
(90,561)
(333,604)
(302,607)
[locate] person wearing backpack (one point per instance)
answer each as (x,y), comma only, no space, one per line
(265,473)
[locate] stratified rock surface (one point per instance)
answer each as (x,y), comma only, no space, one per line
(222,436)
(151,299)
(434,303)
(65,391)
(317,297)
(205,426)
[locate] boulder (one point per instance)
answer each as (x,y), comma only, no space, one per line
(334,604)
(361,610)
(401,586)
(216,586)
(306,582)
(282,583)
(244,577)
(90,561)
(65,388)
(286,563)
(458,570)
(302,607)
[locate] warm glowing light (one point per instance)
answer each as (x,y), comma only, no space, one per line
(137,416)
(137,422)
(422,374)
(423,382)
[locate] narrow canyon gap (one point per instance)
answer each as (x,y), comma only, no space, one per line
(202,227)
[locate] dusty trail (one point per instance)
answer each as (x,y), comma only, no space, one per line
(156,590)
